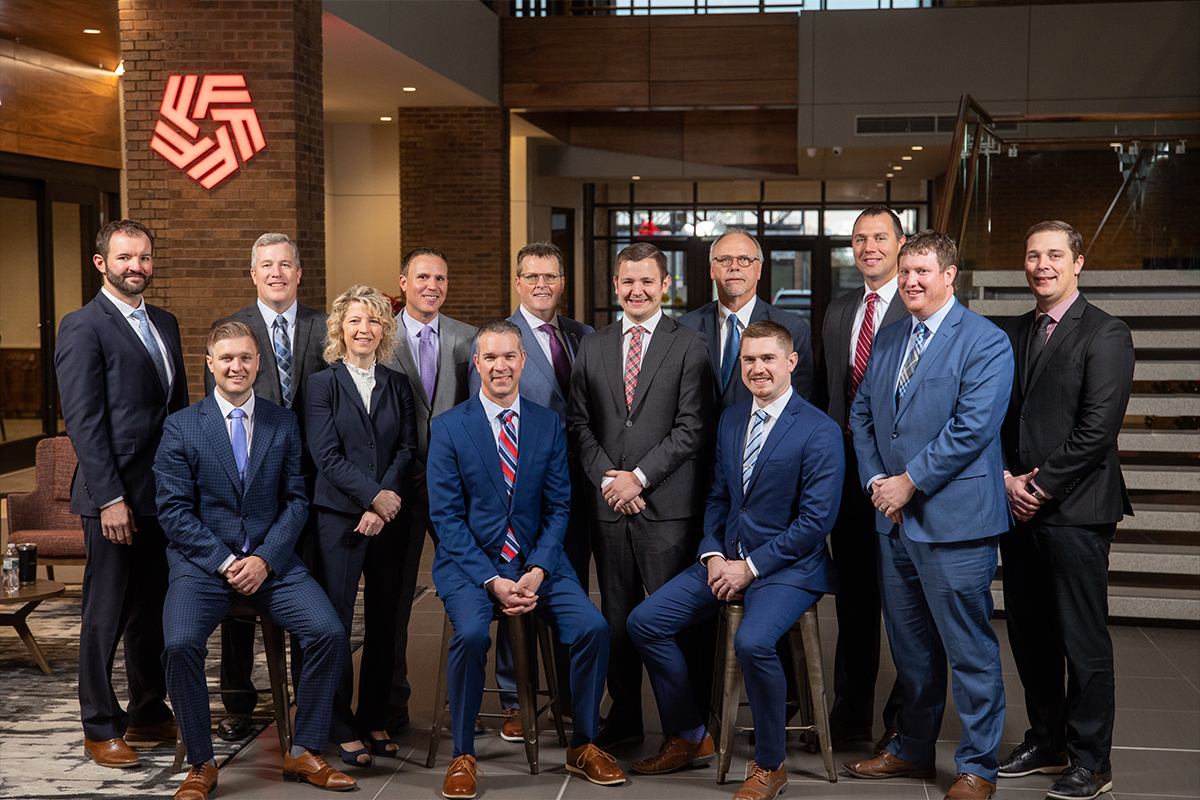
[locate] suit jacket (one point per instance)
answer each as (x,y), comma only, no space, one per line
(833,370)
(707,320)
(664,431)
(538,381)
(791,502)
(113,403)
(1064,418)
(357,454)
(455,339)
(468,497)
(202,505)
(946,433)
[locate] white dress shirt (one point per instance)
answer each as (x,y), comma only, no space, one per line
(248,421)
(887,293)
(269,314)
(412,331)
(364,381)
(127,311)
(743,316)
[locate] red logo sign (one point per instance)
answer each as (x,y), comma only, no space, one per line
(212,161)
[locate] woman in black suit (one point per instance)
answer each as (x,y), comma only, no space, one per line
(362,435)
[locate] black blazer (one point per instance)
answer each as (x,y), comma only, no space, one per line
(358,455)
(113,403)
(1064,418)
(664,431)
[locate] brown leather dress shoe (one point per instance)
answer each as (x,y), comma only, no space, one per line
(162,732)
(201,779)
(594,764)
(887,765)
(311,768)
(113,753)
(461,778)
(511,730)
(675,754)
(891,733)
(971,787)
(762,783)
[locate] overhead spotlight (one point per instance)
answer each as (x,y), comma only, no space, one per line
(890,175)
(906,158)
(635,177)
(385,119)
(897,168)
(410,89)
(917,147)
(91,30)
(812,152)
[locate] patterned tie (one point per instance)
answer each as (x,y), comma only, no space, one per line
(283,358)
(733,344)
(152,348)
(633,363)
(558,358)
(427,361)
(754,443)
(508,465)
(862,350)
(910,366)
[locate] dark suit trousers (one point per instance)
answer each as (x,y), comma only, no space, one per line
(345,556)
(123,590)
(856,659)
(1056,603)
(195,605)
(414,543)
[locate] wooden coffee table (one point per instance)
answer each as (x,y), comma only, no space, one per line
(30,595)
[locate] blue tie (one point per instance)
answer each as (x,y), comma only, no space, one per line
(910,366)
(729,357)
(283,358)
(238,440)
(754,443)
(156,357)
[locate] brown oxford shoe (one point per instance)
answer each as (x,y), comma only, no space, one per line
(594,764)
(762,783)
(461,778)
(887,765)
(675,754)
(888,735)
(311,768)
(113,753)
(971,787)
(166,731)
(512,730)
(201,780)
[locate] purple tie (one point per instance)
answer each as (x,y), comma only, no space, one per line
(558,357)
(427,361)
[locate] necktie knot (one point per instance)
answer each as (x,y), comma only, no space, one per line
(237,413)
(871,298)
(506,416)
(281,321)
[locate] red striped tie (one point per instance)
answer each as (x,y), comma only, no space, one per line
(508,465)
(862,350)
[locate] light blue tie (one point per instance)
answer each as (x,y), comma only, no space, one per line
(753,446)
(729,357)
(237,437)
(152,348)
(910,366)
(283,358)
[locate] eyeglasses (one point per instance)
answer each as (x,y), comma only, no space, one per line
(532,279)
(742,261)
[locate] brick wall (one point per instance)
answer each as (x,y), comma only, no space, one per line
(454,195)
(204,236)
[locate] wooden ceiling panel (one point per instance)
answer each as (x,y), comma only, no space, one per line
(56,26)
(575,50)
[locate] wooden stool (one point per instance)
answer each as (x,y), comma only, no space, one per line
(804,638)
(527,636)
(274,646)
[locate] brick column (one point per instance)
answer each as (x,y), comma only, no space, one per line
(202,252)
(454,195)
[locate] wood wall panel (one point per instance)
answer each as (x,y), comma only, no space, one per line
(560,50)
(700,93)
(635,94)
(643,140)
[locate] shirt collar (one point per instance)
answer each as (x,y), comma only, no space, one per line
(227,406)
(367,374)
(493,410)
(649,325)
(936,320)
(269,314)
(887,292)
(775,408)
(121,305)
(1057,312)
(534,321)
(414,326)
(743,314)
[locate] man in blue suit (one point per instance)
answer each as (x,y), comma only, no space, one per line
(926,428)
(498,495)
(776,487)
(231,500)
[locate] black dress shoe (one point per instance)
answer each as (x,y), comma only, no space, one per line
(613,735)
(1026,759)
(1080,783)
(231,729)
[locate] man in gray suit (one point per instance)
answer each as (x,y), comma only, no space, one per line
(845,346)
(433,350)
(291,339)
(640,410)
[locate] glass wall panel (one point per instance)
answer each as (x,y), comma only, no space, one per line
(792,192)
(864,191)
(791,222)
(20,333)
(791,282)
(728,191)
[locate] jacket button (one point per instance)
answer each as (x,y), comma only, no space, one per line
(371,467)
(743,511)
(628,423)
(1024,415)
(245,516)
(371,445)
(894,434)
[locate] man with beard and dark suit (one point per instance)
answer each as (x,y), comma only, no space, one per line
(1063,478)
(640,413)
(120,373)
(293,338)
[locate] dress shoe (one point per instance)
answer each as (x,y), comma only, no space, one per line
(888,735)
(843,733)
(201,780)
(971,787)
(1080,783)
(311,768)
(762,783)
(461,778)
(162,732)
(397,718)
(613,735)
(887,765)
(594,764)
(1026,759)
(113,753)
(511,730)
(675,754)
(231,729)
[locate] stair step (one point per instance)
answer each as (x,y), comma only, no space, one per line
(1166,371)
(1115,278)
(1167,306)
(1161,478)
(1162,517)
(1166,340)
(1139,602)
(1164,405)
(1133,441)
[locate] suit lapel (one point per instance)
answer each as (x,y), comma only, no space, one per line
(733,470)
(778,431)
(262,441)
(534,356)
(711,327)
(652,359)
(404,359)
(266,385)
(301,337)
(342,373)
(1022,350)
(1068,323)
(571,336)
(527,447)
(445,375)
(614,363)
(381,386)
(479,429)
(132,339)
(845,325)
(217,434)
(932,353)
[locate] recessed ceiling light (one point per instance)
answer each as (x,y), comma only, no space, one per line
(889,175)
(879,186)
(906,158)
(410,88)
(897,168)
(90,30)
(385,119)
(635,177)
(917,147)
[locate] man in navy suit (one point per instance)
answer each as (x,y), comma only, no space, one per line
(926,427)
(776,485)
(231,499)
(120,373)
(498,493)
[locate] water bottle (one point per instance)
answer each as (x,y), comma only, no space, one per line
(11,582)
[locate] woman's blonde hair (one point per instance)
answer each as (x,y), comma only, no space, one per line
(379,306)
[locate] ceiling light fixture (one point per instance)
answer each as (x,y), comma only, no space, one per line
(410,88)
(91,30)
(635,177)
(906,158)
(917,147)
(897,168)
(890,175)
(385,119)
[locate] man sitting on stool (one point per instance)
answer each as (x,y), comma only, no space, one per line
(776,487)
(231,502)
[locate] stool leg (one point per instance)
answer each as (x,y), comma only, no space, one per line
(439,695)
(546,644)
(800,680)
(718,688)
(277,671)
(180,752)
(524,653)
(810,629)
(731,694)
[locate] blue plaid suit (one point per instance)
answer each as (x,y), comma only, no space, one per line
(206,514)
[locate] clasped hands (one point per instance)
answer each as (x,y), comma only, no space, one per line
(890,495)
(624,492)
(384,508)
(1023,504)
(520,596)
(728,579)
(247,574)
